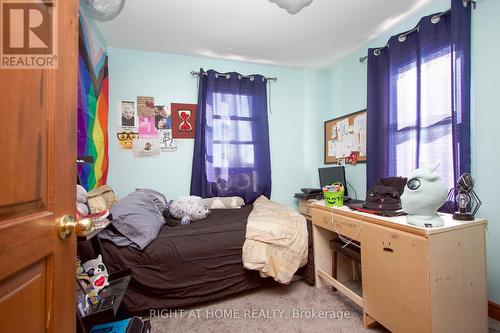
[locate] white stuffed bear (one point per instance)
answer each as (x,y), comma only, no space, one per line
(188,209)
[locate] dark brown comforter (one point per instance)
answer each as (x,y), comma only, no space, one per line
(187,264)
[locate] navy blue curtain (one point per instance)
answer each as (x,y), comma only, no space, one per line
(418,100)
(461,70)
(231,149)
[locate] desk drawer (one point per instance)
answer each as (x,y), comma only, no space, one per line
(396,279)
(305,207)
(343,225)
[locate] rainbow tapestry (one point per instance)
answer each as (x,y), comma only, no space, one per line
(92,108)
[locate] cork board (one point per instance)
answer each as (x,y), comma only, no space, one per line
(345,139)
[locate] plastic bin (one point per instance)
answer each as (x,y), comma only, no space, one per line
(334,199)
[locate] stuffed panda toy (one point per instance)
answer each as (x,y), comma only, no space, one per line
(188,209)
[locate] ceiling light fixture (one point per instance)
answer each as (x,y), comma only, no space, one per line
(104,10)
(292,6)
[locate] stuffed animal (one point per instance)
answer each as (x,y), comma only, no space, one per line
(223,202)
(97,273)
(188,209)
(424,193)
(81,201)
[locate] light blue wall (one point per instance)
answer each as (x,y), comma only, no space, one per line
(485,129)
(293,131)
(344,91)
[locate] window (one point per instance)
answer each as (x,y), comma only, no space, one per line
(231,149)
(426,136)
(233,144)
(418,99)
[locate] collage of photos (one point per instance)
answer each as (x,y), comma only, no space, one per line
(145,128)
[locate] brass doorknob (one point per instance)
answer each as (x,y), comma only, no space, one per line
(68,225)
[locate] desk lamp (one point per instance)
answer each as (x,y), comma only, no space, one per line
(465,202)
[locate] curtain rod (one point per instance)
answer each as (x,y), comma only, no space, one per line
(402,37)
(241,76)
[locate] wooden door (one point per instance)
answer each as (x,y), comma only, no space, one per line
(37,187)
(395,269)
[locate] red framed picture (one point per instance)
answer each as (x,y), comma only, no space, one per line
(183,120)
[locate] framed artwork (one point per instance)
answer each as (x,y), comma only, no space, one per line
(183,120)
(345,139)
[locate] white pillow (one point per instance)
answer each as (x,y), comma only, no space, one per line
(223,202)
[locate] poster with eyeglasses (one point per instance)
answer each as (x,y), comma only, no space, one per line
(126,137)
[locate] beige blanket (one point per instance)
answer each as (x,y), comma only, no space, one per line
(276,240)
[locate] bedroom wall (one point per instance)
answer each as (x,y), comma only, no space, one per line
(344,91)
(293,132)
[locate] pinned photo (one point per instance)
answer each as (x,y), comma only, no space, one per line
(146,147)
(167,143)
(127,114)
(163,120)
(147,127)
(145,106)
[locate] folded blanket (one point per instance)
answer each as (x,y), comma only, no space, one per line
(276,240)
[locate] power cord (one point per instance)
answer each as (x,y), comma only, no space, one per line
(355,192)
(344,239)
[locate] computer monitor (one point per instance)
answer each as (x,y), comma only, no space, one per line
(328,176)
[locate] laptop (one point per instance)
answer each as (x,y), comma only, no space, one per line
(336,174)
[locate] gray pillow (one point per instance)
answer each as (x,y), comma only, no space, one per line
(138,217)
(158,198)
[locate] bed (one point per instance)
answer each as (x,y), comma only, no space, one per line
(189,264)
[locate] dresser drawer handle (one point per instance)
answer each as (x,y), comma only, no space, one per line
(388,249)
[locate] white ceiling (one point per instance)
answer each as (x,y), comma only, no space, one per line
(255,30)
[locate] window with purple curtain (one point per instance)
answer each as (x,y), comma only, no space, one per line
(231,153)
(419,99)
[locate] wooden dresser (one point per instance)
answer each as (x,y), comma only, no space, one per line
(413,279)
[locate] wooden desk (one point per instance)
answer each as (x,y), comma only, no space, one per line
(305,207)
(413,279)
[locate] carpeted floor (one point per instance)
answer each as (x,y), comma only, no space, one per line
(294,308)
